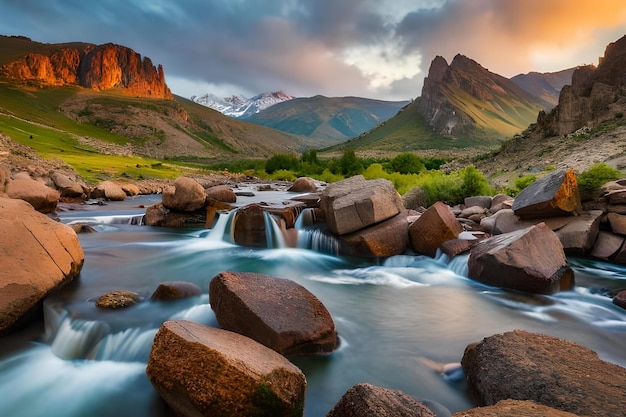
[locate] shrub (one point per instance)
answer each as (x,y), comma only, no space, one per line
(407,163)
(596,176)
(474,182)
(525,181)
(283,175)
(281,161)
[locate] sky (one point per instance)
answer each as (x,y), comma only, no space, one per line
(367,48)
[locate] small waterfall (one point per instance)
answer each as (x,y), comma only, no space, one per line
(130,345)
(273,234)
(131,219)
(223,229)
(75,339)
(314,238)
(306,218)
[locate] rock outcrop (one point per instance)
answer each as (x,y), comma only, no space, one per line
(278,313)
(204,371)
(556,194)
(595,95)
(544,369)
(100,67)
(38,256)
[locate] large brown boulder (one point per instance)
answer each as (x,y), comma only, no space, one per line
(544,369)
(369,400)
(355,203)
(530,260)
(388,238)
(579,235)
(432,228)
(249,226)
(38,256)
(514,408)
(303,185)
(43,198)
(68,186)
(187,195)
(204,371)
(222,193)
(278,313)
(556,194)
(108,190)
(174,290)
(159,215)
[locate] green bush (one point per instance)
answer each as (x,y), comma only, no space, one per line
(474,182)
(525,181)
(407,163)
(281,161)
(283,175)
(596,176)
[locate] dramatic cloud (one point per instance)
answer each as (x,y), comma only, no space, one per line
(332,47)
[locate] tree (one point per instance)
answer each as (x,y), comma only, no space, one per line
(350,164)
(407,163)
(281,161)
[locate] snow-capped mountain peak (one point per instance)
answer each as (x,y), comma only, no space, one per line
(239,106)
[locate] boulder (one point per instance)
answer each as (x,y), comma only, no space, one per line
(620,299)
(43,198)
(131,190)
(278,313)
(606,245)
(544,369)
(432,228)
(456,247)
(617,223)
(483,201)
(67,185)
(369,400)
(204,371)
(530,260)
(159,215)
(303,185)
(579,235)
(108,190)
(556,194)
(355,203)
(514,408)
(174,290)
(616,197)
(38,256)
(118,299)
(187,195)
(388,238)
(249,226)
(222,193)
(5,178)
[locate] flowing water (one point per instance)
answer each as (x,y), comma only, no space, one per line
(84,361)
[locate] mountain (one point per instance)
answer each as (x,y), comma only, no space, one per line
(462,105)
(545,85)
(586,127)
(239,106)
(329,119)
(99,67)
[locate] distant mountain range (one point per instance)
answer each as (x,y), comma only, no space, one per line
(239,106)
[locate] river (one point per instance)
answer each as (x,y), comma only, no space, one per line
(389,315)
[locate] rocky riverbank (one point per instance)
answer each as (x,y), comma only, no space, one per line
(519,244)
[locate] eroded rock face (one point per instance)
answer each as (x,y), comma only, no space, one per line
(43,198)
(372,401)
(38,256)
(204,371)
(278,313)
(435,226)
(355,203)
(530,260)
(556,194)
(544,369)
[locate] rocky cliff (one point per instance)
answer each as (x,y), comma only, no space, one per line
(100,67)
(597,94)
(464,98)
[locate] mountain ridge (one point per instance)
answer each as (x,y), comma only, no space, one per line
(239,106)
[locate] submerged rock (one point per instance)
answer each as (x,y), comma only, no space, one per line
(204,371)
(118,299)
(174,290)
(544,369)
(278,313)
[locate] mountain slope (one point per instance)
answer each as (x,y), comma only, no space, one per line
(328,119)
(545,85)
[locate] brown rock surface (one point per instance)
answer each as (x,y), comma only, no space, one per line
(514,408)
(249,229)
(432,228)
(38,256)
(544,369)
(303,185)
(187,195)
(108,190)
(118,299)
(174,290)
(43,198)
(372,401)
(204,371)
(278,313)
(222,193)
(620,299)
(530,260)
(355,203)
(579,235)
(387,238)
